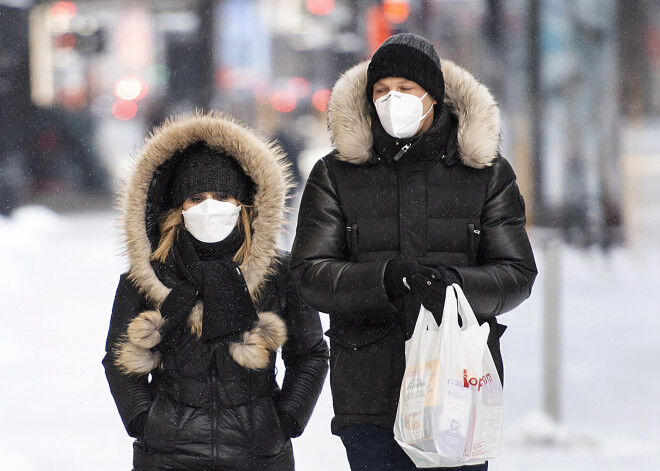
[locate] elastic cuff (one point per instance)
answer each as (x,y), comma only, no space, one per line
(453,277)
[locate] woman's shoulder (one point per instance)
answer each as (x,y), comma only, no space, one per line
(280,264)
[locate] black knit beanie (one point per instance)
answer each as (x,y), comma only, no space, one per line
(203,169)
(411,57)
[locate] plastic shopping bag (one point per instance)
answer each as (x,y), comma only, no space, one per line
(451,403)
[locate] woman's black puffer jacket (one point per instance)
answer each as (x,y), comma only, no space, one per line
(190,403)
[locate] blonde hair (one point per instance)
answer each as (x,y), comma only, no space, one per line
(171,222)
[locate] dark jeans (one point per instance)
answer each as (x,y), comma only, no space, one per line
(371,448)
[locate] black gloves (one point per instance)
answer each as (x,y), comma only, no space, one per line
(136,427)
(289,425)
(399,268)
(431,290)
(176,307)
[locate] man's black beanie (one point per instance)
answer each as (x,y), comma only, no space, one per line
(203,169)
(411,57)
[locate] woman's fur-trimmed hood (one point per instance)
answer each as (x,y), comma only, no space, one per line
(141,201)
(349,119)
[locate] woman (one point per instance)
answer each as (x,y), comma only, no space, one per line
(205,304)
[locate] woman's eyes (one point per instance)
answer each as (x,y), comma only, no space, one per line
(216,196)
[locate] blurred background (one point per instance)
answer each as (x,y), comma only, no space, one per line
(578,82)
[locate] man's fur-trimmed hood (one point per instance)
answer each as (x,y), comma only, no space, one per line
(143,199)
(349,119)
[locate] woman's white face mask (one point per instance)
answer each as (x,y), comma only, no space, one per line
(211,220)
(400,113)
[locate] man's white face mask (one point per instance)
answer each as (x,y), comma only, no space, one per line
(400,113)
(211,220)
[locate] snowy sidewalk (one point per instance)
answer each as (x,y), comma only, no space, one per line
(57,284)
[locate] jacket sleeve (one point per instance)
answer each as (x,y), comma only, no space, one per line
(305,356)
(505,270)
(327,280)
(132,393)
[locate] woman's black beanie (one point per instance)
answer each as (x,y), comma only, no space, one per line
(201,169)
(409,56)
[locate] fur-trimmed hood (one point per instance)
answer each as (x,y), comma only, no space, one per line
(349,118)
(146,196)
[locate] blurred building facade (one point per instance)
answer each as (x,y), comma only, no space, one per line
(81,80)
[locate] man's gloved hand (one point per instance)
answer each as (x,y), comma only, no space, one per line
(399,268)
(431,290)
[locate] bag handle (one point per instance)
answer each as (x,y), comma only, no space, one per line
(464,309)
(425,321)
(450,309)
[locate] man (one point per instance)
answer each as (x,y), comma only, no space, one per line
(414,197)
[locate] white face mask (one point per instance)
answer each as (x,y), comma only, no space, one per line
(211,220)
(400,113)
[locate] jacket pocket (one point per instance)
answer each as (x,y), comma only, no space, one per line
(268,436)
(352,241)
(160,426)
(361,368)
(473,239)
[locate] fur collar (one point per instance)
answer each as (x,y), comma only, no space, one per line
(473,105)
(262,161)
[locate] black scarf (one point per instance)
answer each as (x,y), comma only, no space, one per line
(228,308)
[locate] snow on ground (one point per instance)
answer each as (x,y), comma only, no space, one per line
(57,284)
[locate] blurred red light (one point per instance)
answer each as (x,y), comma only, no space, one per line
(320,99)
(262,93)
(131,88)
(124,109)
(320,7)
(64,41)
(396,11)
(283,101)
(63,10)
(299,86)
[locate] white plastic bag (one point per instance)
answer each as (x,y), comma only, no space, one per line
(451,403)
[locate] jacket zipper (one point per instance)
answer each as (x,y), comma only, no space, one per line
(402,151)
(214,411)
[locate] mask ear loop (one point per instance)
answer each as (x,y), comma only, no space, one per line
(427,113)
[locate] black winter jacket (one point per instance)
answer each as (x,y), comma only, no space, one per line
(450,201)
(204,408)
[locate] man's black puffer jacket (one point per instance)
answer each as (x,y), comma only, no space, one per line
(446,202)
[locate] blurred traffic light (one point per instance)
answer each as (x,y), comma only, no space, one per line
(320,7)
(284,101)
(124,109)
(378,28)
(396,11)
(299,86)
(63,10)
(320,99)
(130,88)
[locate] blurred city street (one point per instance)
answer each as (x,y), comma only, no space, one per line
(82,83)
